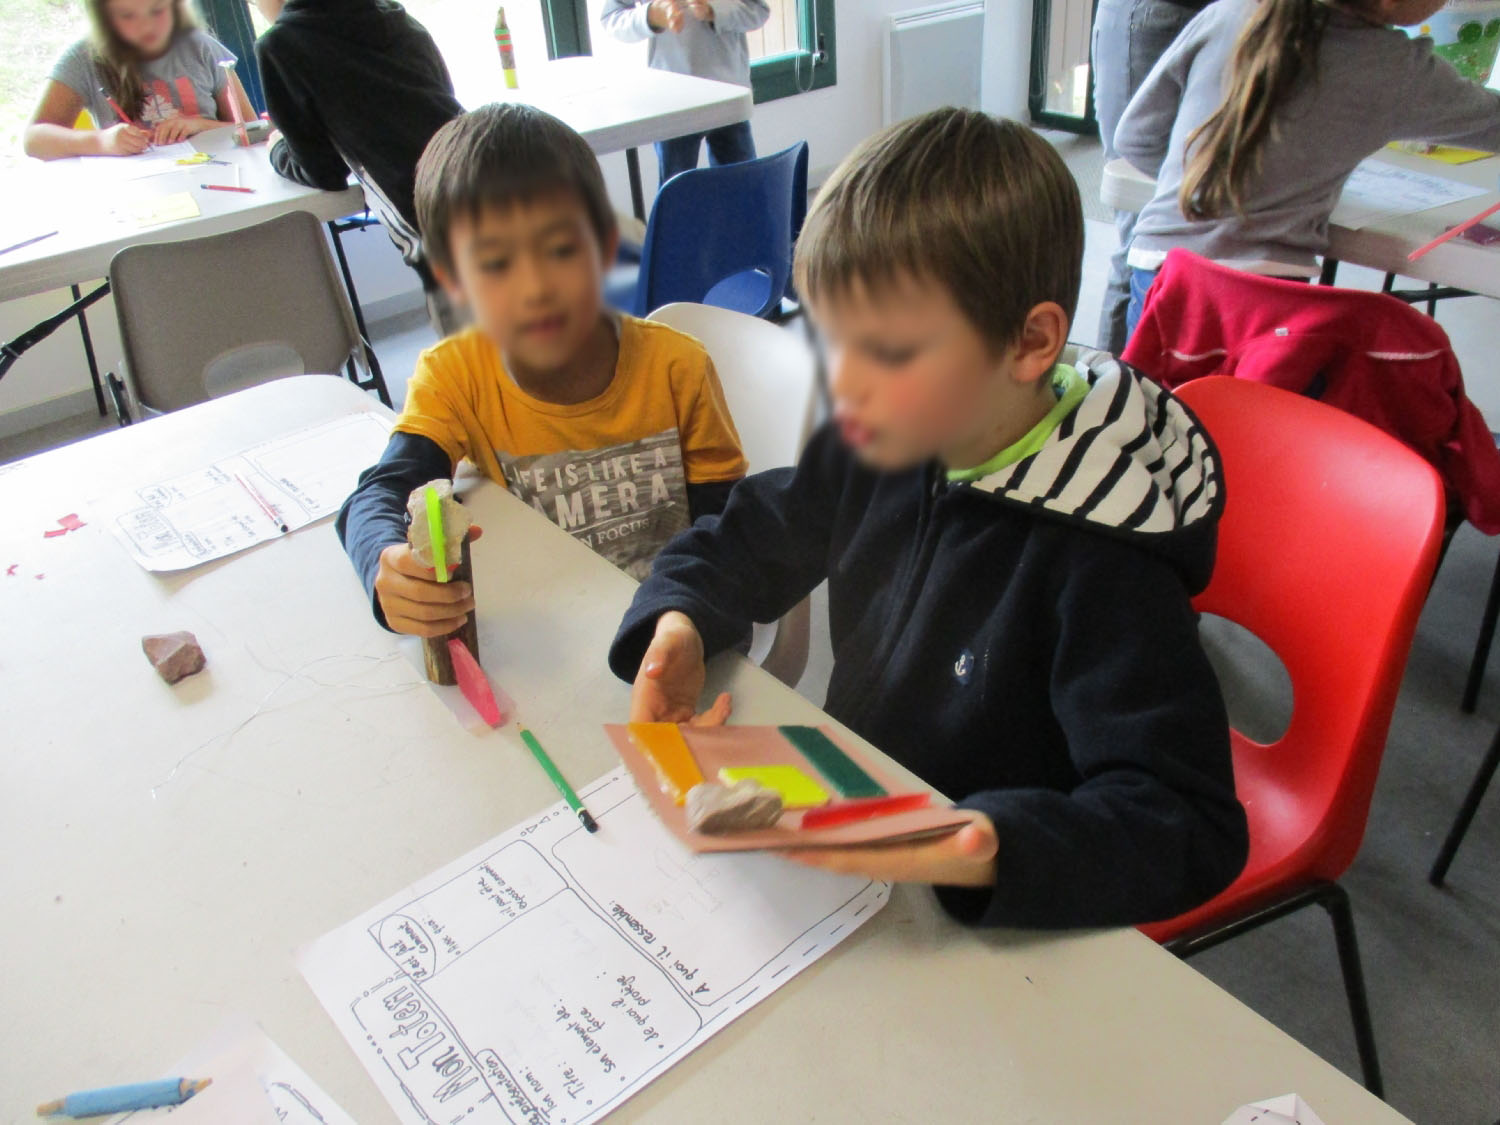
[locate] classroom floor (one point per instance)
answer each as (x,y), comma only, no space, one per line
(1431,957)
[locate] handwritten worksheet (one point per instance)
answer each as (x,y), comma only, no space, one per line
(550,974)
(1377,190)
(215,511)
(153,162)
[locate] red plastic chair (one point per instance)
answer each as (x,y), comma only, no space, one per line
(1328,543)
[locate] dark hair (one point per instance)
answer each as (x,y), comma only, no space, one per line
(980,204)
(1276,48)
(497,156)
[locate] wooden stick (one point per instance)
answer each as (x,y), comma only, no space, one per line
(435,649)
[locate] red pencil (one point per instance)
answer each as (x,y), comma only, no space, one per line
(227,187)
(262,503)
(114,105)
(1453,233)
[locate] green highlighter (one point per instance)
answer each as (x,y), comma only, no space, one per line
(435,530)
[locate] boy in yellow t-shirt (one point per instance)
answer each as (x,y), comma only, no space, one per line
(614,428)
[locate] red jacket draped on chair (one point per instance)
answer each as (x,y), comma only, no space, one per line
(1366,353)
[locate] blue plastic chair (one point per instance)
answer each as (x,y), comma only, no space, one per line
(721,236)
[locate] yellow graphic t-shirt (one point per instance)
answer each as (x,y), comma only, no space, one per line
(614,470)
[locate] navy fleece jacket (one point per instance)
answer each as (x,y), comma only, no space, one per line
(1025,643)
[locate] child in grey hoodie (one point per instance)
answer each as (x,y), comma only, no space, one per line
(1258,113)
(704,38)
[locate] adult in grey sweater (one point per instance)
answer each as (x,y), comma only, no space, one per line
(704,38)
(1372,85)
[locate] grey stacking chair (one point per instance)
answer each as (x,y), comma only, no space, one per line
(202,317)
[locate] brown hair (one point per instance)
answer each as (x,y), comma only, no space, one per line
(980,204)
(119,62)
(497,156)
(1276,48)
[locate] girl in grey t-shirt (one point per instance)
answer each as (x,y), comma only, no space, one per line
(147,59)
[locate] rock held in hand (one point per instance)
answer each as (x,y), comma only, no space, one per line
(175,656)
(455,523)
(716,809)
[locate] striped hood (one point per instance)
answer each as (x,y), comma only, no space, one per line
(1130,461)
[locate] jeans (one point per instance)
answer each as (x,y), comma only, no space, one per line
(1129,36)
(1138,285)
(730,144)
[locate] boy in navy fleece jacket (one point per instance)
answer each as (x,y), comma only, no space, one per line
(1010,545)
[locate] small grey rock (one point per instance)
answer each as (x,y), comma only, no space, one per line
(716,809)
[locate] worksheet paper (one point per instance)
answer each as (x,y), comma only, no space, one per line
(550,973)
(1377,190)
(153,162)
(208,513)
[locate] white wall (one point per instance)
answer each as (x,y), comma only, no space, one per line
(831,120)
(48,382)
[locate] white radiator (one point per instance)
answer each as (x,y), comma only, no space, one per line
(932,58)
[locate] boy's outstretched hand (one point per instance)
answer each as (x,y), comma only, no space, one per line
(671,676)
(412,598)
(965,858)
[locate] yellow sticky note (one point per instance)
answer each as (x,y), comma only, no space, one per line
(1444,154)
(798,791)
(161,209)
(676,769)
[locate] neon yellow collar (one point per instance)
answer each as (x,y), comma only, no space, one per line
(1070,388)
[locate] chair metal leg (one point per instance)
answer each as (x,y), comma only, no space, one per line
(118,398)
(377,378)
(1336,901)
(1332,898)
(1482,645)
(637,192)
(1466,813)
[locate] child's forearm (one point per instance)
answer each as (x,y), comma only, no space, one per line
(51,142)
(374,516)
(629,23)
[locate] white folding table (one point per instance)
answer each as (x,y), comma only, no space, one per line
(615,107)
(1384,244)
(170,847)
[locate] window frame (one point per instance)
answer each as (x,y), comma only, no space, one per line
(779,76)
(229,22)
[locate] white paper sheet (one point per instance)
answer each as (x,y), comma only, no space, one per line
(549,974)
(1378,190)
(153,162)
(207,513)
(254,1083)
(1284,1109)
